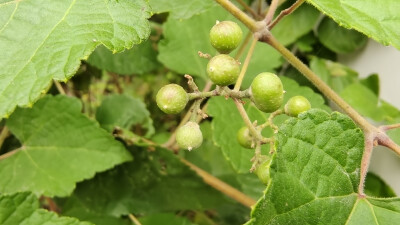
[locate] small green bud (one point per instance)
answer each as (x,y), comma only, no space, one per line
(267,92)
(223,70)
(189,136)
(297,105)
(244,138)
(172,99)
(262,171)
(225,36)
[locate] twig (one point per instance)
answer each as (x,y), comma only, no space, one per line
(221,186)
(243,46)
(3,135)
(248,9)
(285,12)
(133,219)
(368,146)
(271,11)
(245,65)
(59,87)
(389,127)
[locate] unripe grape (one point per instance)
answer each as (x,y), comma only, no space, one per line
(297,105)
(225,36)
(262,171)
(223,70)
(267,92)
(189,136)
(244,138)
(172,99)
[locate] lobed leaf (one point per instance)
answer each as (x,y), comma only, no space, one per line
(23,209)
(45,39)
(379,20)
(315,174)
(60,147)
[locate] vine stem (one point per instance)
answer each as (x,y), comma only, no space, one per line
(59,87)
(134,219)
(221,186)
(248,9)
(245,65)
(3,135)
(285,12)
(271,11)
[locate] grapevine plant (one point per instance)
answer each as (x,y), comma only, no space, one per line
(192,112)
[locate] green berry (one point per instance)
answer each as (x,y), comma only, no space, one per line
(244,138)
(267,92)
(172,99)
(297,105)
(262,171)
(225,36)
(189,136)
(223,70)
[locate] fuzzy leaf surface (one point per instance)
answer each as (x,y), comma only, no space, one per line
(23,209)
(315,175)
(181,9)
(227,121)
(45,39)
(379,20)
(61,146)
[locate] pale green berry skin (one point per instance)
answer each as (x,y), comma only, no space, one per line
(223,70)
(189,136)
(172,99)
(267,92)
(244,138)
(297,105)
(225,36)
(262,171)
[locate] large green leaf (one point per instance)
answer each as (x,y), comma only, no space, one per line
(124,111)
(295,25)
(23,209)
(376,187)
(184,38)
(377,19)
(339,39)
(181,9)
(60,147)
(46,39)
(315,174)
(227,121)
(138,60)
(155,182)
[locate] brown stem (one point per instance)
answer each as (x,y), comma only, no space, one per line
(245,65)
(3,135)
(285,12)
(368,146)
(221,186)
(389,127)
(243,45)
(248,9)
(134,219)
(271,11)
(59,87)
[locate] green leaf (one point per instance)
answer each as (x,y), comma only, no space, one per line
(23,209)
(315,175)
(372,82)
(60,147)
(295,25)
(227,121)
(336,75)
(339,39)
(376,19)
(181,9)
(124,111)
(164,219)
(140,59)
(376,187)
(156,182)
(44,40)
(184,38)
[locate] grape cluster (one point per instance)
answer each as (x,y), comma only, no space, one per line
(266,92)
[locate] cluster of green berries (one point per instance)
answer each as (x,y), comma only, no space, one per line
(266,90)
